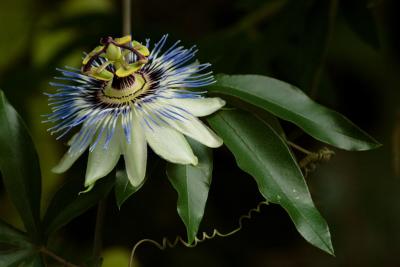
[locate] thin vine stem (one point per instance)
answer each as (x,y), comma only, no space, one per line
(126,17)
(45,251)
(166,243)
(98,232)
(299,148)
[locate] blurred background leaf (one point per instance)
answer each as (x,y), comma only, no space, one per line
(20,168)
(70,202)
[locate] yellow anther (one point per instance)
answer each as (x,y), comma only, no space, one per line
(123,72)
(140,48)
(100,74)
(123,40)
(92,53)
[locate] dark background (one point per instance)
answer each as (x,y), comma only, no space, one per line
(345,54)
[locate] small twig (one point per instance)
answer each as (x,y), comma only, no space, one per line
(299,148)
(57,258)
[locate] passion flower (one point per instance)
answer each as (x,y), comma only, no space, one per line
(126,96)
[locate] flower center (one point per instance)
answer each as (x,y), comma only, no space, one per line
(117,62)
(122,90)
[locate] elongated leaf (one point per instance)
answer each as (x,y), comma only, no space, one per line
(68,203)
(20,167)
(123,188)
(290,103)
(192,184)
(262,153)
(11,236)
(14,257)
(14,246)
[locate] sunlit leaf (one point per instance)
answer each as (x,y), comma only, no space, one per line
(20,168)
(290,103)
(262,153)
(192,184)
(68,203)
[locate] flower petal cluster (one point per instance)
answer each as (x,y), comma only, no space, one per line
(127,96)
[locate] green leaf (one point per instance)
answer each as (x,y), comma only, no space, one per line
(123,188)
(15,257)
(14,246)
(19,165)
(262,153)
(290,103)
(68,203)
(192,184)
(12,236)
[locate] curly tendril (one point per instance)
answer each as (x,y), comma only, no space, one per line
(166,243)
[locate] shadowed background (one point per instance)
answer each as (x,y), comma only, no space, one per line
(345,54)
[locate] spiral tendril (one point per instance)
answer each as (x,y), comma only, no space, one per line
(309,163)
(166,243)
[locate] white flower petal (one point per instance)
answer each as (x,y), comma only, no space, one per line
(170,144)
(68,159)
(101,161)
(198,106)
(194,128)
(135,154)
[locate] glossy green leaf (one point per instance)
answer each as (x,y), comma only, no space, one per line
(123,188)
(68,203)
(290,103)
(192,184)
(20,168)
(262,153)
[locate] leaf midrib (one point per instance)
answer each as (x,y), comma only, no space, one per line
(9,147)
(283,192)
(355,139)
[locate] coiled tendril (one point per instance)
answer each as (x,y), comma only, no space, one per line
(166,243)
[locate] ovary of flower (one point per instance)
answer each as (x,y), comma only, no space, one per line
(126,97)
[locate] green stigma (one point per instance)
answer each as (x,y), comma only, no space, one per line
(124,82)
(116,52)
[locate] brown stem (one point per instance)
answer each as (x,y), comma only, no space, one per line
(299,148)
(126,17)
(57,258)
